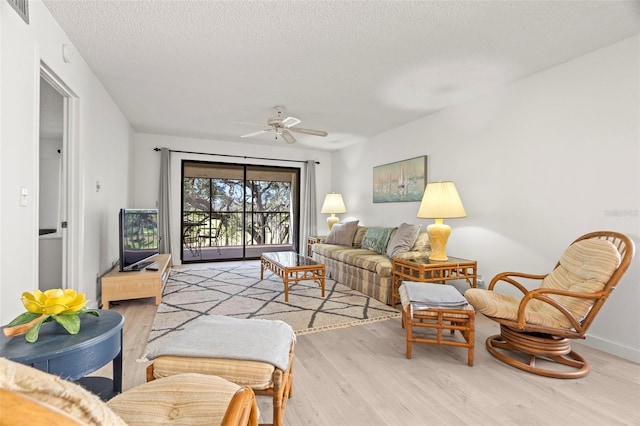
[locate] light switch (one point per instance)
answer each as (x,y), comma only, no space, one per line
(24,193)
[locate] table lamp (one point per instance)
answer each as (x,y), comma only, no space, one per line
(440,201)
(333,204)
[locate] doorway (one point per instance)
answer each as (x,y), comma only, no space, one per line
(236,211)
(55,113)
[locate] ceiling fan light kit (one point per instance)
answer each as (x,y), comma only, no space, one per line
(284,127)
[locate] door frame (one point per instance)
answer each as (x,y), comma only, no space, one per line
(69,216)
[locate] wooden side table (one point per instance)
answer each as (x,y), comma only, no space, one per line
(74,356)
(431,271)
(311,240)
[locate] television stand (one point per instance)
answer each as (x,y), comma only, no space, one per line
(127,285)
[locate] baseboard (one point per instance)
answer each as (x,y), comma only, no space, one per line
(613,348)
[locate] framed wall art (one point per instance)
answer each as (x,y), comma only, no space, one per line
(400,181)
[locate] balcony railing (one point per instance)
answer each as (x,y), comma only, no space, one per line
(224,229)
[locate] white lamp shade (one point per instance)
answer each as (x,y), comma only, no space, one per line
(333,204)
(441,201)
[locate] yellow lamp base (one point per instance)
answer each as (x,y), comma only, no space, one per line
(438,236)
(332,220)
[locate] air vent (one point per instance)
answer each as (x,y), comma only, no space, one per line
(22,7)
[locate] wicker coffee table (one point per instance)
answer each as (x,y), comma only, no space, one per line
(292,268)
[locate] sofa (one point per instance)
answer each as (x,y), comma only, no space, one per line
(360,257)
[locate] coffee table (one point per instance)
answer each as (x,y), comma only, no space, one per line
(292,268)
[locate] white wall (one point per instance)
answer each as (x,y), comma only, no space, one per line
(537,164)
(147,169)
(102,137)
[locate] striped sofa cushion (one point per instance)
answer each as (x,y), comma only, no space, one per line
(365,259)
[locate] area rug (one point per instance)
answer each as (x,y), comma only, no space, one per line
(236,290)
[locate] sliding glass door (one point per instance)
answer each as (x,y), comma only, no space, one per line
(232,211)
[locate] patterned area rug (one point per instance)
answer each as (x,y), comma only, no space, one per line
(236,290)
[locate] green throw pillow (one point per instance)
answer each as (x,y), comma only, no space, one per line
(376,239)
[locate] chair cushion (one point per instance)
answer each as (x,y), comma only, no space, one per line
(256,375)
(224,337)
(69,397)
(194,399)
(585,267)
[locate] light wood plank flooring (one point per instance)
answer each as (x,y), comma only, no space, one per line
(360,376)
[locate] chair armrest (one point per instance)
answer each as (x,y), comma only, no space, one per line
(542,294)
(22,409)
(509,277)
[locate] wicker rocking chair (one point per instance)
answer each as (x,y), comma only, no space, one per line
(539,325)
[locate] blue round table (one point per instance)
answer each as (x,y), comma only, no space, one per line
(74,356)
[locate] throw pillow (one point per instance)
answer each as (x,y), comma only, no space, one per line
(342,233)
(422,242)
(403,239)
(357,239)
(376,239)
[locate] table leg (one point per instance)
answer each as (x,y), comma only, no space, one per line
(117,369)
(396,280)
(285,280)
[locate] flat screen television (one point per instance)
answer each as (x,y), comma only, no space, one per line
(138,238)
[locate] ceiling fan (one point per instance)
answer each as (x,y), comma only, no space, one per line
(283,127)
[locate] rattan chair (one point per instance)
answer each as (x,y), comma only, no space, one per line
(536,328)
(33,397)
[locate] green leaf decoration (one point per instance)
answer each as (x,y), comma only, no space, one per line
(90,311)
(32,334)
(23,318)
(71,322)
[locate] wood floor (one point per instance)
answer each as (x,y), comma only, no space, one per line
(360,376)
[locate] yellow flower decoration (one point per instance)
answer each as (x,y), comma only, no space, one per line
(54,301)
(62,306)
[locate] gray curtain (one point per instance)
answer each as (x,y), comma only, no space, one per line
(308,225)
(164,202)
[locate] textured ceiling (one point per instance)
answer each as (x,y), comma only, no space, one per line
(352,68)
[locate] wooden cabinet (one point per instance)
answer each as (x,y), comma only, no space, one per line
(118,285)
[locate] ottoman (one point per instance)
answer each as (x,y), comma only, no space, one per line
(249,352)
(438,307)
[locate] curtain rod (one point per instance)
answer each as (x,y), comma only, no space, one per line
(235,156)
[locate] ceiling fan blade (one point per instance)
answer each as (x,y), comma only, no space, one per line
(308,131)
(250,124)
(255,133)
(290,121)
(288,137)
